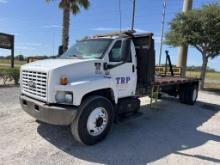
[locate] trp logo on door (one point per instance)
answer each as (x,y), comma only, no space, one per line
(122,82)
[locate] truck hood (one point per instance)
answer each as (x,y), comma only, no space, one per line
(50,64)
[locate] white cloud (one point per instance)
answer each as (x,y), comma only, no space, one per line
(141,30)
(117,29)
(3,1)
(104,29)
(214,61)
(50,26)
(30,44)
(16,34)
(157,39)
(25,48)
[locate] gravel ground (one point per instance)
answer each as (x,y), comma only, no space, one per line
(169,133)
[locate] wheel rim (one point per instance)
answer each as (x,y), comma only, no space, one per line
(97,121)
(194,94)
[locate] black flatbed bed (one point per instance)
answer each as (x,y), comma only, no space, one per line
(173,80)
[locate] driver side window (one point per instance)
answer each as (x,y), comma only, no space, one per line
(115,54)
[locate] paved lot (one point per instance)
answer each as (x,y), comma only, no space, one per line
(170,133)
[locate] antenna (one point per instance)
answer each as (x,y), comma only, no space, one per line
(119,7)
(53,42)
(133,15)
(162,29)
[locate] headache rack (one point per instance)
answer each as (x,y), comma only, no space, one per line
(125,33)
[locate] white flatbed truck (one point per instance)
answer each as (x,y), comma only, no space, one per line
(96,80)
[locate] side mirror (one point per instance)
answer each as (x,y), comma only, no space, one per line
(105,66)
(60,50)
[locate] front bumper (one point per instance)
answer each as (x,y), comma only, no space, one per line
(57,115)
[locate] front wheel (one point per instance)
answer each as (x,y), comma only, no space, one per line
(94,120)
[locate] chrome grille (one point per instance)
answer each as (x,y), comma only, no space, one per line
(34,83)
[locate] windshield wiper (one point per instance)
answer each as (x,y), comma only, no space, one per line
(72,56)
(75,56)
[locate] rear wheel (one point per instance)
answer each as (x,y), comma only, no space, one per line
(188,94)
(94,120)
(192,94)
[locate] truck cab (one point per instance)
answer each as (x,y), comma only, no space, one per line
(89,85)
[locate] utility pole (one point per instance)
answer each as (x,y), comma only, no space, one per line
(12,51)
(133,15)
(53,42)
(183,50)
(162,29)
(119,9)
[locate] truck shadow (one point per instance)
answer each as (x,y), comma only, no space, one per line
(146,137)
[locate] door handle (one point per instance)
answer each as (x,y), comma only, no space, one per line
(133,68)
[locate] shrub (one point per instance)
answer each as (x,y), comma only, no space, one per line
(14,74)
(9,74)
(4,76)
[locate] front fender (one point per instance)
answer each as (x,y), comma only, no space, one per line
(82,87)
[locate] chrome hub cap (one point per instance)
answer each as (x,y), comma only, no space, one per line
(194,94)
(97,121)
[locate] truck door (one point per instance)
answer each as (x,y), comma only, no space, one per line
(122,67)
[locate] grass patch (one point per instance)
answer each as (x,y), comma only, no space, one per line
(5,63)
(209,75)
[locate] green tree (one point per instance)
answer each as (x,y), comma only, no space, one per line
(69,6)
(19,57)
(199,28)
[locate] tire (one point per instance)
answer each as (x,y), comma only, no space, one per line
(182,92)
(192,94)
(189,94)
(94,120)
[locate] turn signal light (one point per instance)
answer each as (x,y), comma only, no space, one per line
(63,80)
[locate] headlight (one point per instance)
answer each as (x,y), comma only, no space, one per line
(64,97)
(69,98)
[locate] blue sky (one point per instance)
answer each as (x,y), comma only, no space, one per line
(37,24)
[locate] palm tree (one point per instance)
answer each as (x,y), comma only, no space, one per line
(68,6)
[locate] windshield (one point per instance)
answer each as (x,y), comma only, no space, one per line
(88,49)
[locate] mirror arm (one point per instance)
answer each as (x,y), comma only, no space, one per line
(107,66)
